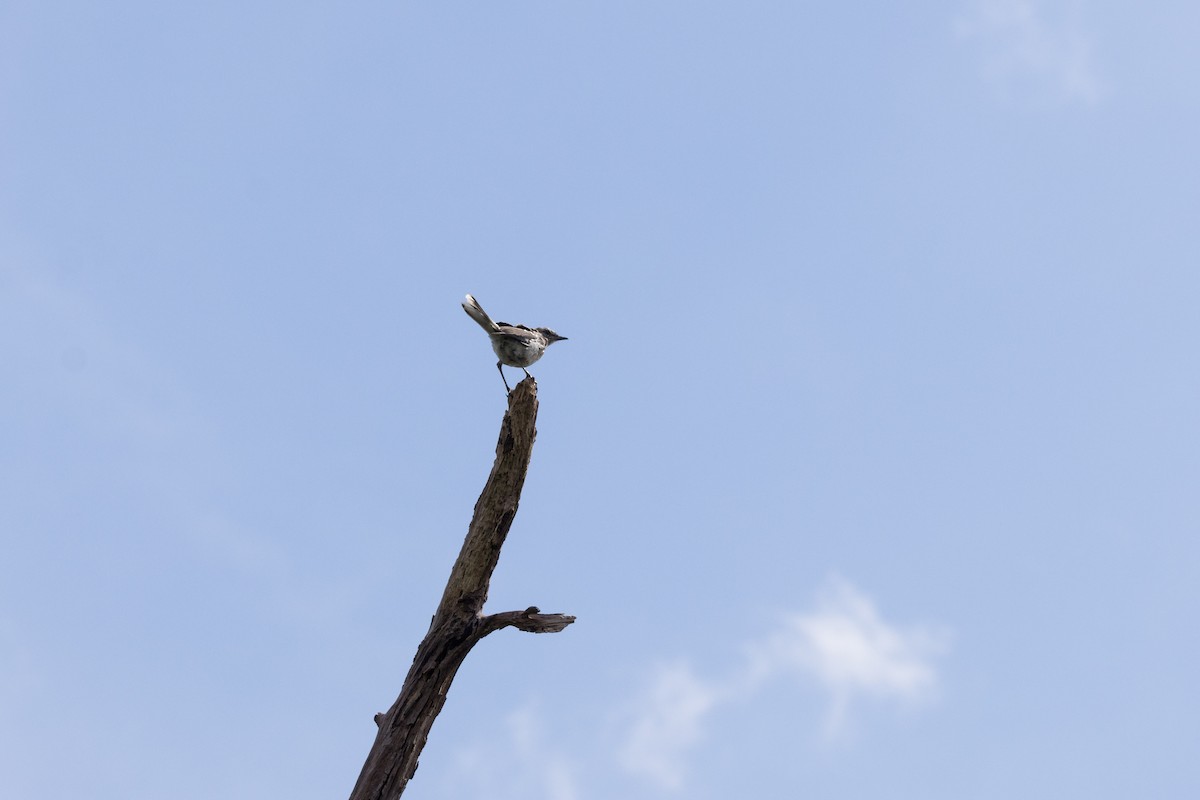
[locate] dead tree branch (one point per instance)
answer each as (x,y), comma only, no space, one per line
(459,621)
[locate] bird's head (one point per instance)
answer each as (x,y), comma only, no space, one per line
(551,336)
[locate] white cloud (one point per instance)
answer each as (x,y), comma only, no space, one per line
(668,724)
(842,645)
(847,647)
(1034,44)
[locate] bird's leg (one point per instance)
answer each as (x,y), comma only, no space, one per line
(527,375)
(500,366)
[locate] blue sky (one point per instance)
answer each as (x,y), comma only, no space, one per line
(869,468)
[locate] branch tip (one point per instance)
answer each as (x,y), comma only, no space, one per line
(531,620)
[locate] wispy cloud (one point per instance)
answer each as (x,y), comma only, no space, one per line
(668,724)
(843,645)
(522,764)
(19,673)
(133,428)
(1034,45)
(846,646)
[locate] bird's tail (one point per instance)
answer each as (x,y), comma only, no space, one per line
(476,312)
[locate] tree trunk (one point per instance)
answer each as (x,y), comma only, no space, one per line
(459,621)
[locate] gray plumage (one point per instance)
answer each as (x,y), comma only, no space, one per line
(514,345)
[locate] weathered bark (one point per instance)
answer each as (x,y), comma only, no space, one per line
(459,621)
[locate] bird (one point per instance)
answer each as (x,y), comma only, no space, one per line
(515,345)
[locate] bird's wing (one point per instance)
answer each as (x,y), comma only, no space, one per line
(513,333)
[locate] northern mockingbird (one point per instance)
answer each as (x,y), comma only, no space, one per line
(515,345)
